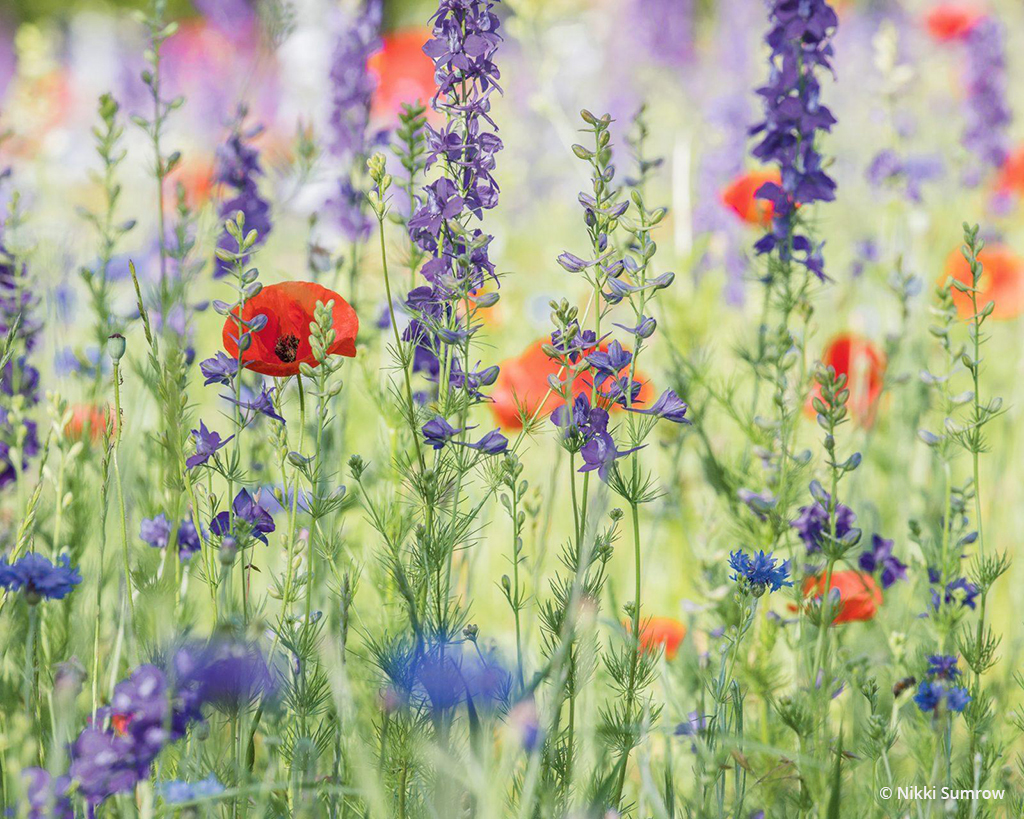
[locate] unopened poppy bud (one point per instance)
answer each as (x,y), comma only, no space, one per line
(116,346)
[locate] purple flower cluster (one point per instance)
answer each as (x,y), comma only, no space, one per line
(157,533)
(238,168)
(37,577)
(154,708)
(352,87)
(18,377)
(800,38)
(813,523)
(250,519)
(910,172)
(586,430)
(987,113)
(880,558)
(465,38)
(48,796)
(438,432)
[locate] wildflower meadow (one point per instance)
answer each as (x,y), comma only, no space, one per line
(535,409)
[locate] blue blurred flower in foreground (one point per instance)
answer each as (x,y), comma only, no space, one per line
(176,791)
(48,796)
(38,577)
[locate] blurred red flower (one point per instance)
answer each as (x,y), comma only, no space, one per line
(403,72)
(863,364)
(951,21)
(739,197)
(859,596)
(523,381)
(88,418)
(660,631)
(283,344)
(1002,281)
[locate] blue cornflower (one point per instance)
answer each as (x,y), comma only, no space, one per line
(219,370)
(943,666)
(207,443)
(39,577)
(247,509)
(928,695)
(957,699)
(762,572)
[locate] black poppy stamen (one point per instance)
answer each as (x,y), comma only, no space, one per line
(286,348)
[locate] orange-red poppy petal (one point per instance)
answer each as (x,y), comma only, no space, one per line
(859,595)
(283,344)
(1002,281)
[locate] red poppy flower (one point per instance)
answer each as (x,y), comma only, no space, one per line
(523,381)
(863,364)
(196,177)
(280,347)
(1011,175)
(1002,281)
(666,632)
(739,197)
(88,418)
(951,21)
(403,72)
(859,596)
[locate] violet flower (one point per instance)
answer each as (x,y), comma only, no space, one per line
(800,37)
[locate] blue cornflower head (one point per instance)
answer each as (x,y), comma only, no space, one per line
(207,443)
(928,695)
(156,531)
(943,666)
(762,572)
(248,510)
(957,699)
(880,557)
(218,370)
(176,791)
(38,577)
(668,406)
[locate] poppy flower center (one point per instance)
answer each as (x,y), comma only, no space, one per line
(286,348)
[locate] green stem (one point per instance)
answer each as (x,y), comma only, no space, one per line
(120,490)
